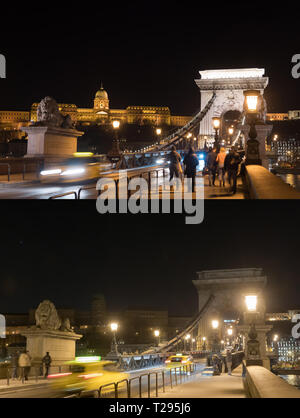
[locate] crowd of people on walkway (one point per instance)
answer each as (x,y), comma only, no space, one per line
(190,163)
(217,163)
(21,364)
(222,163)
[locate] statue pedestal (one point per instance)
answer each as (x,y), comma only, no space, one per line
(49,141)
(262,133)
(60,344)
(261,330)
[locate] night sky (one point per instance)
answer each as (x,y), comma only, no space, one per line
(67,252)
(146,53)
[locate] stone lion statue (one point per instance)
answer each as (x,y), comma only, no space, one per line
(66,325)
(46,316)
(48,114)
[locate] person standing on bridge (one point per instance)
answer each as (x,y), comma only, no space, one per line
(47,360)
(175,166)
(221,170)
(210,163)
(231,164)
(191,161)
(229,361)
(25,364)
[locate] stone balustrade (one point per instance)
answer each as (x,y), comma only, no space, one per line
(264,185)
(261,383)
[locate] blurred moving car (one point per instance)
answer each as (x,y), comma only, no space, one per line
(178,360)
(86,375)
(80,167)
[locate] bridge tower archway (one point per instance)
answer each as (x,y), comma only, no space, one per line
(229,86)
(229,288)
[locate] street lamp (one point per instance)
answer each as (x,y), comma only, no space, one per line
(251,302)
(215,343)
(186,339)
(253,345)
(193,343)
(157,334)
(115,154)
(158,133)
(215,324)
(230,133)
(252,108)
(116,124)
(216,122)
(114,328)
(204,343)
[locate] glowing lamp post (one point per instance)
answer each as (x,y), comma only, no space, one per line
(193,343)
(251,302)
(115,154)
(216,122)
(186,340)
(253,346)
(158,133)
(116,126)
(230,133)
(114,328)
(252,108)
(230,334)
(157,335)
(215,340)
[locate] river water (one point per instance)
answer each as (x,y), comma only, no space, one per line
(292,380)
(292,179)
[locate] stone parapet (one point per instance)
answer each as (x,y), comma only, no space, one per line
(264,185)
(261,383)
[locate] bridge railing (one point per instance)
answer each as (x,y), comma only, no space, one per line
(145,172)
(237,359)
(162,379)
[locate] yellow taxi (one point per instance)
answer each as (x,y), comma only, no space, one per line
(80,167)
(85,375)
(178,360)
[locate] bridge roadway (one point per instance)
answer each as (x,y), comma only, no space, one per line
(196,385)
(38,190)
(42,389)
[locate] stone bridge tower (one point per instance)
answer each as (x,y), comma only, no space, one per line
(229,86)
(229,288)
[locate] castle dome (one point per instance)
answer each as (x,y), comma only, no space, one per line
(101,94)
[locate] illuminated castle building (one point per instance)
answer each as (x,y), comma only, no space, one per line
(101,113)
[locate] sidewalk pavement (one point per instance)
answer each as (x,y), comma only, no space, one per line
(17,179)
(17,384)
(219,192)
(201,386)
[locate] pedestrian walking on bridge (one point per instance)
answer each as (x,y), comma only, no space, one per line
(231,163)
(25,364)
(47,360)
(191,161)
(229,361)
(211,164)
(175,166)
